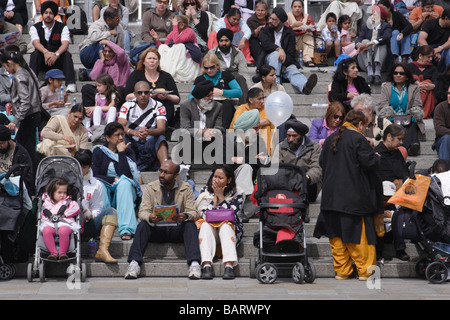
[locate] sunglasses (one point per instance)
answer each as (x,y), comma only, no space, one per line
(163,2)
(209,68)
(143,92)
(338,117)
(400,73)
(190,4)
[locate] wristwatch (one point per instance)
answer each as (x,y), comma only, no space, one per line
(57,54)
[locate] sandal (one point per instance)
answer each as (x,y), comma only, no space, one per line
(126,236)
(310,64)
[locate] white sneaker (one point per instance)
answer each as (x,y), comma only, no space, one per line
(133,270)
(195,272)
(72,87)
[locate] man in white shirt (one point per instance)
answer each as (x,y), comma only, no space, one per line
(51,41)
(144,120)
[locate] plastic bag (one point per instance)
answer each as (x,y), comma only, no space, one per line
(412,193)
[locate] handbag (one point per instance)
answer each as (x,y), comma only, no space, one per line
(412,193)
(219,214)
(403,120)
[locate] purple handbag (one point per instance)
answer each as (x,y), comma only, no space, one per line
(219,214)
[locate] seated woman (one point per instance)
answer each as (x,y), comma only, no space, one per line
(393,168)
(174,53)
(301,23)
(241,31)
(268,81)
(322,128)
(64,134)
(426,75)
(198,21)
(256,22)
(400,103)
(148,69)
(226,87)
(220,191)
(113,61)
(374,47)
(347,84)
(114,165)
(255,100)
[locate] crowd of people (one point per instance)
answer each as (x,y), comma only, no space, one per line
(129,108)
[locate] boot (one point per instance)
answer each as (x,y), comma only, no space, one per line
(106,234)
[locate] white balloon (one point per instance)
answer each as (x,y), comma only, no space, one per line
(278,107)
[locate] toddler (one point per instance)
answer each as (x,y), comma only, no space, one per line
(331,35)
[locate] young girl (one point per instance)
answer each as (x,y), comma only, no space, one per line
(50,93)
(347,45)
(56,196)
(106,100)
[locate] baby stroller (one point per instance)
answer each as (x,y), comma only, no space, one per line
(281,239)
(433,233)
(11,213)
(49,168)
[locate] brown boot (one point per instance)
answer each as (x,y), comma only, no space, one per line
(106,234)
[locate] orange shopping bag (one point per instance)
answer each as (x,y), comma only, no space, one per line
(412,193)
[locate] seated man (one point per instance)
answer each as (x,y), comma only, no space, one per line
(201,116)
(108,28)
(51,40)
(144,120)
(375,129)
(9,28)
(278,43)
(298,149)
(232,60)
(168,190)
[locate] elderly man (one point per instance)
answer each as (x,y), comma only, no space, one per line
(144,120)
(375,129)
(167,191)
(278,43)
(298,149)
(51,40)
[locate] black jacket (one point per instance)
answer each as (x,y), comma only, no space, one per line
(339,91)
(349,181)
(392,164)
(267,39)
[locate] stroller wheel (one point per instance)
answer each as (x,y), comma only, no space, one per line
(310,272)
(83,272)
(42,271)
(6,272)
(266,273)
(421,266)
(436,272)
(30,272)
(298,273)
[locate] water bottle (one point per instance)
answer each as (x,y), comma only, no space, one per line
(92,245)
(300,58)
(74,102)
(61,94)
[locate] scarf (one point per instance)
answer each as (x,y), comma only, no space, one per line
(420,65)
(351,126)
(237,32)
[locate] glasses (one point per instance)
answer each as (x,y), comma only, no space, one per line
(190,4)
(163,2)
(399,73)
(338,117)
(209,68)
(143,92)
(165,171)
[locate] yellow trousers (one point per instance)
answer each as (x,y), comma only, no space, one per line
(363,254)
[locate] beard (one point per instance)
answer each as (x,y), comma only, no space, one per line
(225,48)
(206,104)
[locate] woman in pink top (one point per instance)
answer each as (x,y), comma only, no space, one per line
(180,53)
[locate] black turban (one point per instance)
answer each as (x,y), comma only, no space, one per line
(299,127)
(225,32)
(49,4)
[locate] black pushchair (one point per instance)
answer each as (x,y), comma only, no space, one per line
(12,214)
(281,239)
(433,234)
(70,169)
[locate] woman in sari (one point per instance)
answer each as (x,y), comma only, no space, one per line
(426,75)
(114,165)
(64,134)
(241,32)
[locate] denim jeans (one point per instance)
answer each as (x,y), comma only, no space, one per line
(146,152)
(295,77)
(90,54)
(443,147)
(402,47)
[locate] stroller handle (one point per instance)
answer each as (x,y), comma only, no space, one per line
(23,167)
(277,205)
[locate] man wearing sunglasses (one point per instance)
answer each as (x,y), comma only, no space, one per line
(158,20)
(144,120)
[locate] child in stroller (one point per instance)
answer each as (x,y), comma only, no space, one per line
(58,217)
